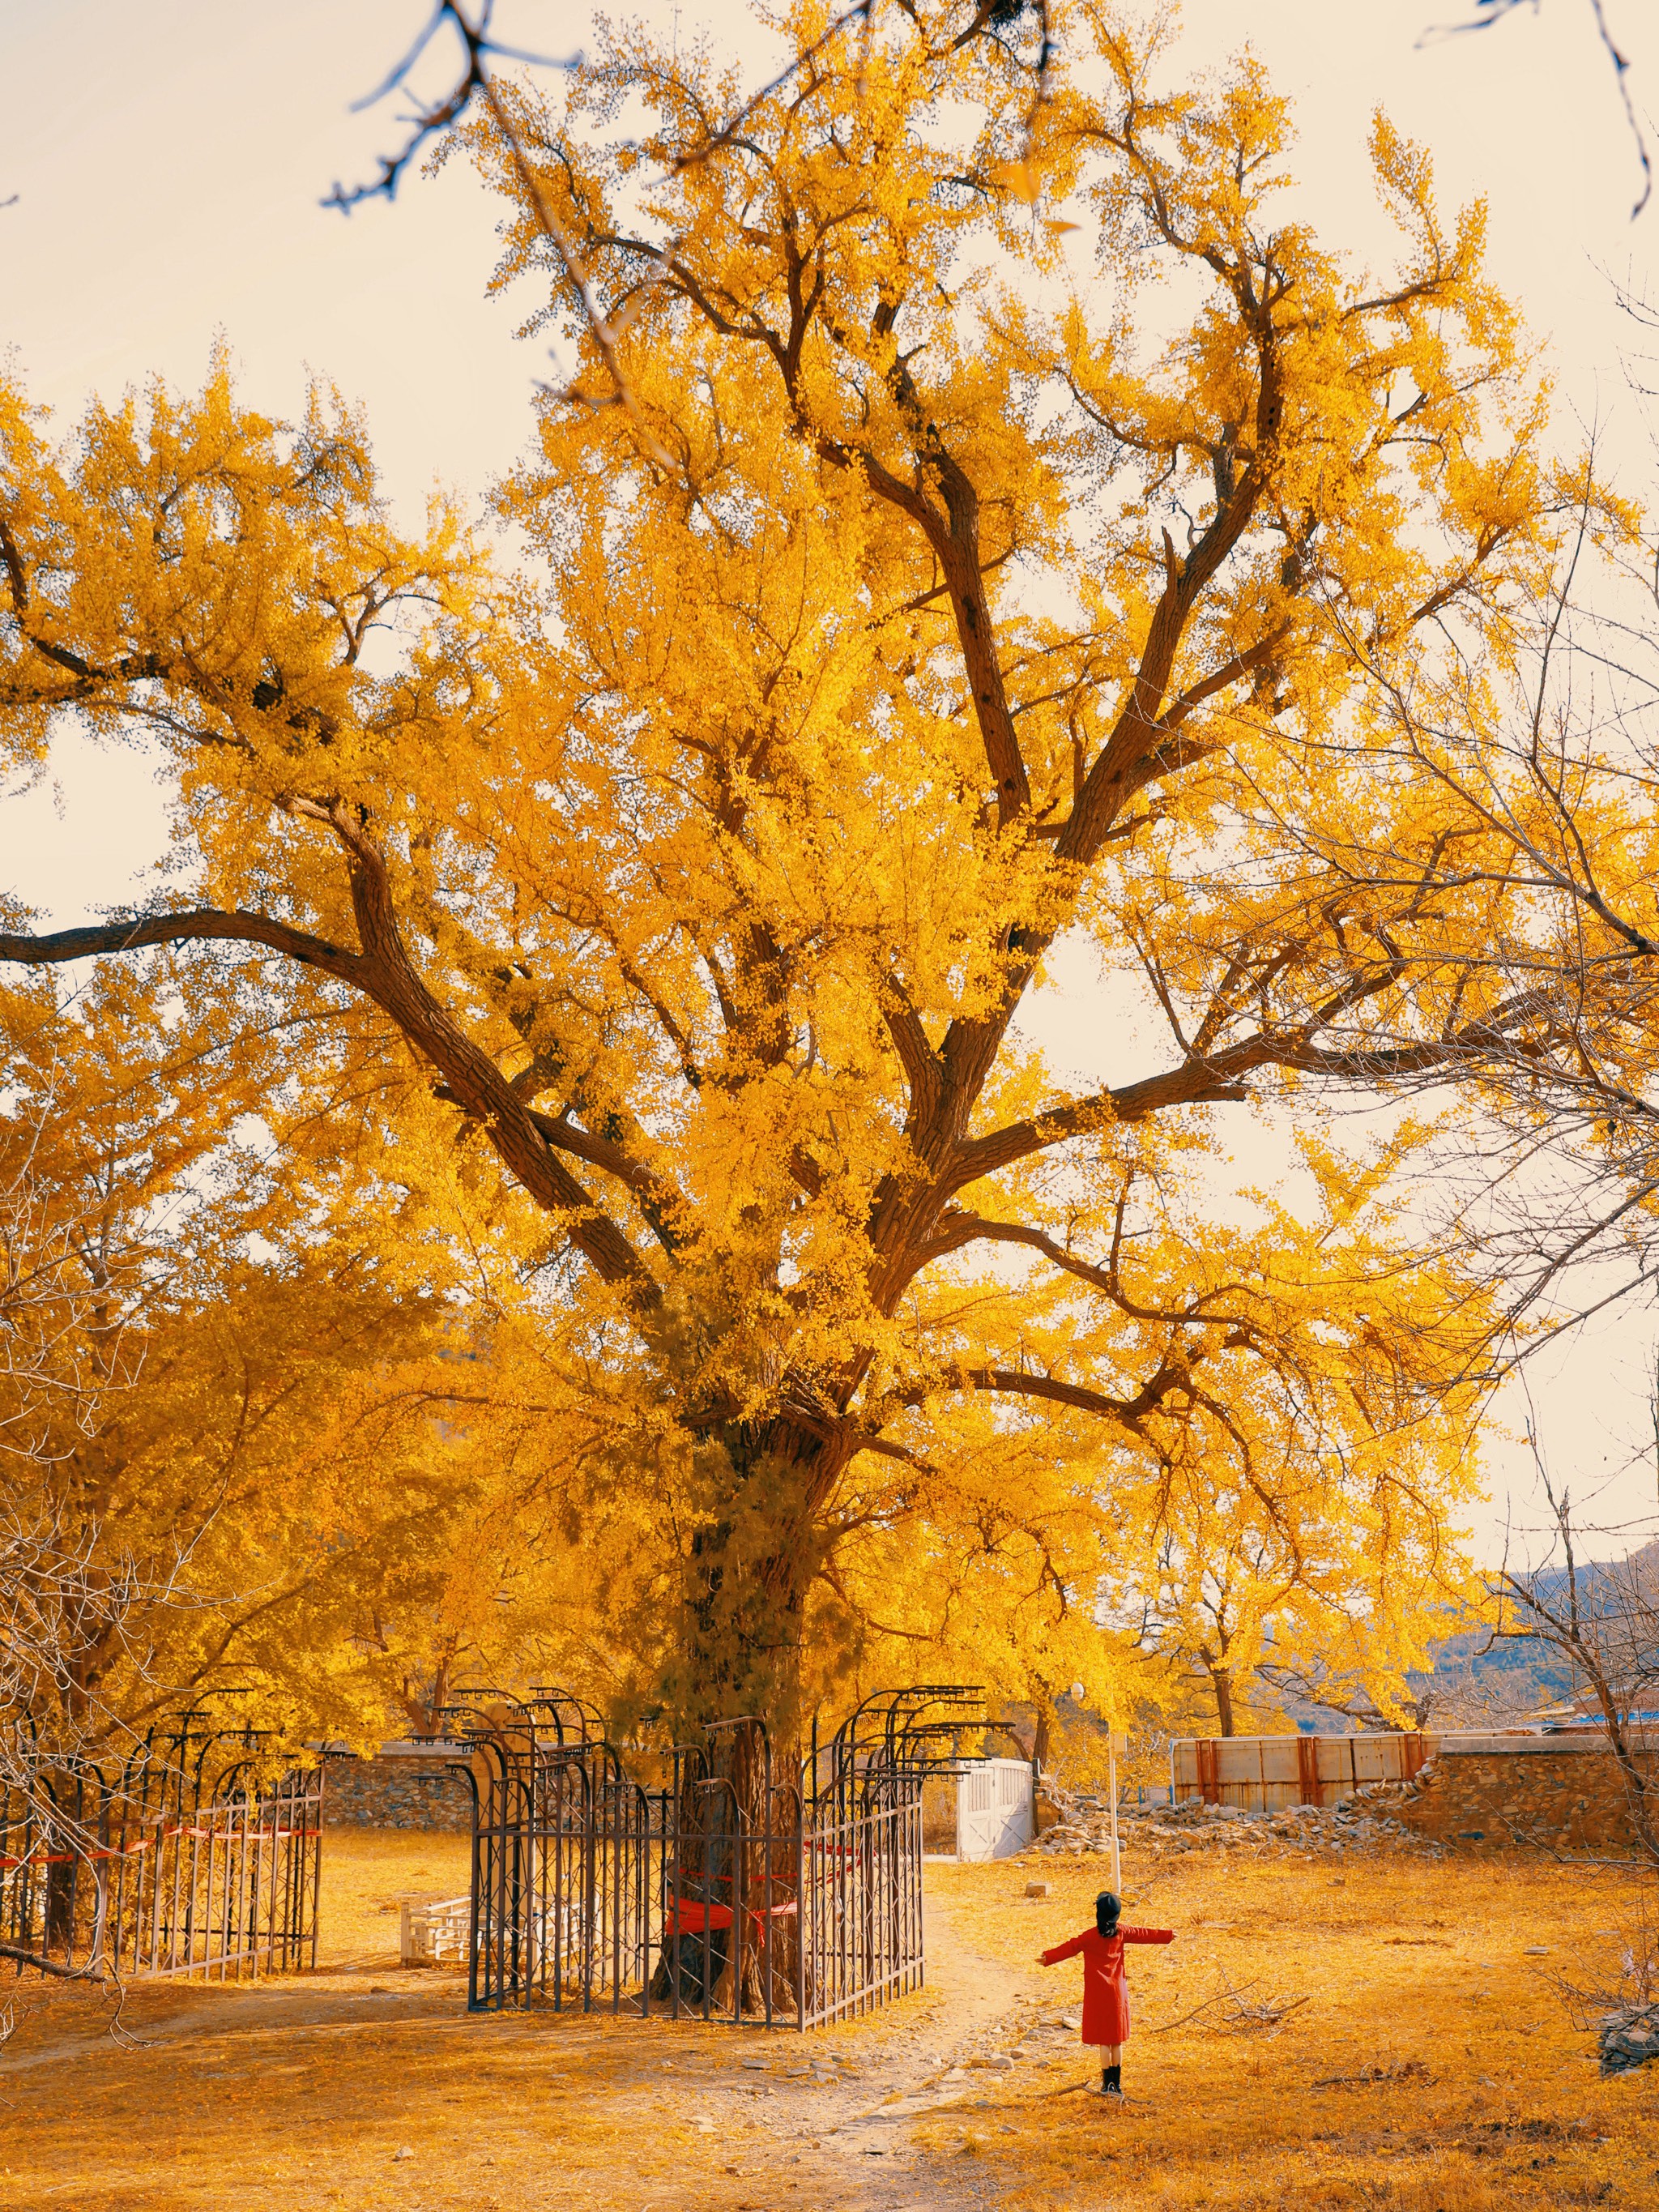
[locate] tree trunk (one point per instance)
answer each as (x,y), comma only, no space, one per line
(735,1685)
(758,1843)
(1638,1790)
(61,1885)
(1221,1682)
(750,1566)
(739,1820)
(423,1702)
(66,1843)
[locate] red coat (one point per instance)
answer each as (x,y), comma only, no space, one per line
(1105,1992)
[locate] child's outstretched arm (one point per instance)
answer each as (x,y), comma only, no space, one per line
(1147,1934)
(1060,1951)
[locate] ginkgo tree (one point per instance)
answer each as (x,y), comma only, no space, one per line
(1298,1549)
(242,1467)
(1012,504)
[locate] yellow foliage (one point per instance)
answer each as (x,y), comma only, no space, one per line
(660,920)
(248,1472)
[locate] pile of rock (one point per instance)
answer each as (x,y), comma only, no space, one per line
(1365,1821)
(1628,2037)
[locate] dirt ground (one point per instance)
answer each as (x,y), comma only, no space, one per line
(1429,2064)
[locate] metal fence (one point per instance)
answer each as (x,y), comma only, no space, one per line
(722,1891)
(198,1853)
(1266,1773)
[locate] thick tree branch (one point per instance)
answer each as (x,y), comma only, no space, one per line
(1196,1083)
(953,537)
(655,1196)
(957,1230)
(193,926)
(392,981)
(90,1972)
(919,1059)
(383,972)
(1129,1412)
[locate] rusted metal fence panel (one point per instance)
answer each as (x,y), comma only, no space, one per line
(722,1892)
(197,1854)
(1264,1773)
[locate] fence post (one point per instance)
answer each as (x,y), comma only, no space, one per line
(317,1862)
(802,1879)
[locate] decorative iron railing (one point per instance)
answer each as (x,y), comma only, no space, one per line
(722,1891)
(198,1853)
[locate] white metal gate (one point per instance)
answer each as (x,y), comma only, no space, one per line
(995,1811)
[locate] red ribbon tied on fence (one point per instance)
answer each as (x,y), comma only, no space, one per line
(166,1835)
(77,1859)
(689,1917)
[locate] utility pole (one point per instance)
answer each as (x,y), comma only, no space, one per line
(1113,1742)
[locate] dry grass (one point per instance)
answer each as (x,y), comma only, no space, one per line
(1459,2084)
(312,2085)
(368,1872)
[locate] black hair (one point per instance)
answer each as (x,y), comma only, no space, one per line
(1107,1908)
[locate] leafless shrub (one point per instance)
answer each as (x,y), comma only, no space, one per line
(1603,1620)
(1632,1984)
(1620,2008)
(60,1357)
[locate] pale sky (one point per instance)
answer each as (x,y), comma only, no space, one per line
(168,160)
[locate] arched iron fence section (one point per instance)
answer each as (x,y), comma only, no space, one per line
(197,1853)
(723,1892)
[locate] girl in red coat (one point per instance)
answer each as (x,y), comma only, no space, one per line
(1105,1992)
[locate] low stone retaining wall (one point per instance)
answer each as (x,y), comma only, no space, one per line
(402,1786)
(1561,1794)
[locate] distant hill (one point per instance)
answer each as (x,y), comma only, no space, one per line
(1477,1681)
(1474,1681)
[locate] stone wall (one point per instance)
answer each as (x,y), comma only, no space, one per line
(404,1786)
(1567,1797)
